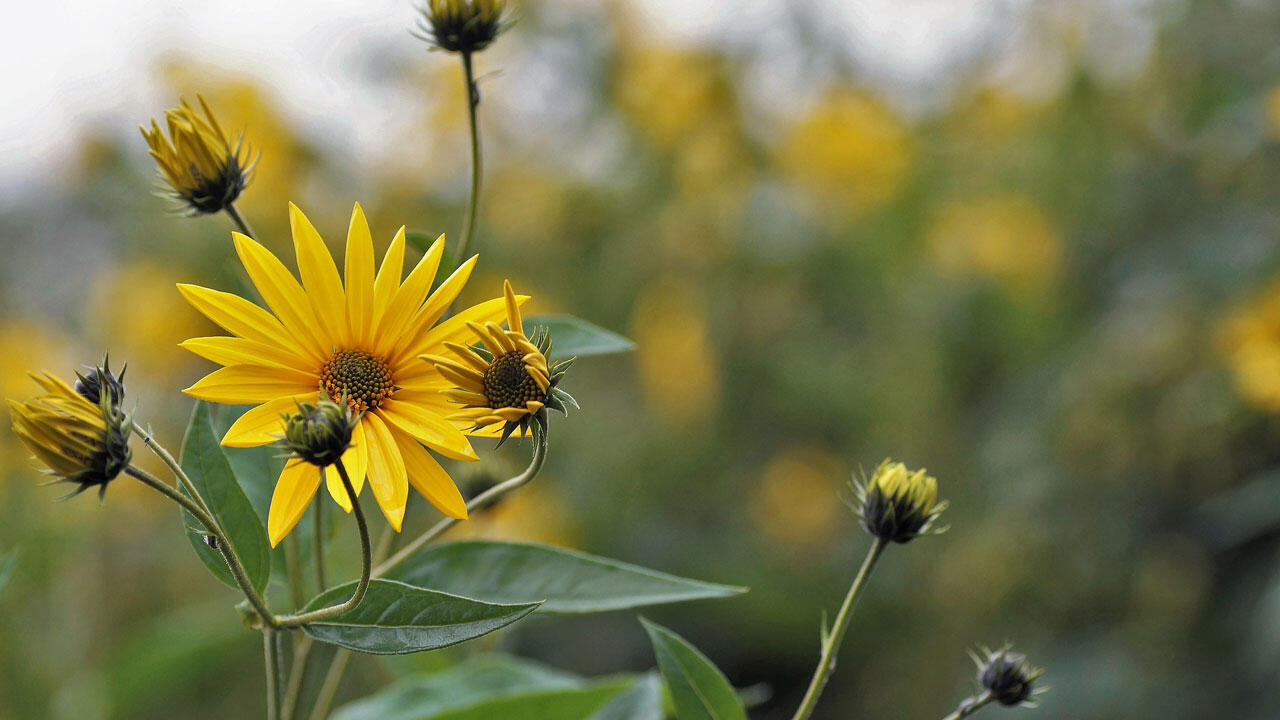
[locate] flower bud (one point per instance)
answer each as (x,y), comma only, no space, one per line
(319,433)
(90,386)
(464,26)
(80,442)
(898,505)
(205,169)
(1007,676)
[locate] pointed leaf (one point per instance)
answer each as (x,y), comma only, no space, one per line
(569,581)
(698,689)
(572,336)
(396,619)
(210,472)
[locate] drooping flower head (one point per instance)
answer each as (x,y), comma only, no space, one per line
(507,381)
(80,442)
(204,168)
(319,433)
(91,384)
(359,341)
(897,504)
(462,25)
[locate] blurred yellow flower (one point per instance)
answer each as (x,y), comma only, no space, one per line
(670,94)
(535,514)
(205,168)
(526,206)
(1005,238)
(1250,342)
(852,149)
(360,342)
(796,505)
(680,378)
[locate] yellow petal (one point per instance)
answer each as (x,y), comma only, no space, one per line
(358,274)
(432,309)
(263,424)
(429,479)
(386,471)
(356,462)
(237,315)
(281,292)
(452,330)
(388,280)
(468,356)
(227,350)
(251,384)
(513,308)
(408,299)
(295,488)
(320,278)
(429,427)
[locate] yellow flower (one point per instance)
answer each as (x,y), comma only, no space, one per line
(898,504)
(360,342)
(1250,341)
(79,442)
(205,169)
(462,25)
(1007,238)
(509,382)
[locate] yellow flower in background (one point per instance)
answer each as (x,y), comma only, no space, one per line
(675,354)
(360,342)
(1006,238)
(795,502)
(204,167)
(670,94)
(79,442)
(851,149)
(1250,341)
(509,382)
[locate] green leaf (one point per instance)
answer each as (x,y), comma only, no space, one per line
(210,472)
(698,689)
(396,619)
(8,564)
(256,469)
(642,702)
(575,337)
(489,688)
(567,580)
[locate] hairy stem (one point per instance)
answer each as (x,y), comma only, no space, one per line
(366,563)
(167,458)
(241,224)
(224,547)
(831,642)
(970,705)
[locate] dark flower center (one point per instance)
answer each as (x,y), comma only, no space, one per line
(364,379)
(508,384)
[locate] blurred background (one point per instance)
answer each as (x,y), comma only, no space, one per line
(1030,246)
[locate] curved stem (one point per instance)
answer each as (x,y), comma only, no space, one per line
(970,705)
(239,221)
(365,555)
(831,642)
(317,542)
(167,458)
(478,503)
(473,198)
(228,554)
(271,658)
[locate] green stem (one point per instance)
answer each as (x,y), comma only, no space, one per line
(338,665)
(167,458)
(473,198)
(271,658)
(224,546)
(831,642)
(298,674)
(317,541)
(329,689)
(366,562)
(480,502)
(239,221)
(971,705)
